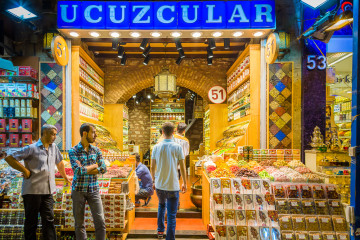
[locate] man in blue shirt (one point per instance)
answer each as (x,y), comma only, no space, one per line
(146,184)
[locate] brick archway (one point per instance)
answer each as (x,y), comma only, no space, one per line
(122,82)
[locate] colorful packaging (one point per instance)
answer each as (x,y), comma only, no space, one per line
(262,218)
(265,233)
(230,218)
(215,185)
(240,217)
(14,140)
(14,125)
(218,201)
(228,201)
(254,233)
(231,233)
(249,201)
(11,90)
(220,232)
(251,217)
(226,186)
(21,89)
(274,218)
(26,139)
(256,186)
(2,125)
(26,125)
(236,185)
(242,232)
(3,90)
(2,140)
(259,202)
(265,186)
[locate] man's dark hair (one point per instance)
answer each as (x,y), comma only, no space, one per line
(85,127)
(137,156)
(181,127)
(160,131)
(168,129)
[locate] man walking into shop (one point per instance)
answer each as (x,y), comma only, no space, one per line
(87,162)
(166,156)
(38,186)
(146,183)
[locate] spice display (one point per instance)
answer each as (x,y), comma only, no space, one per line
(251,217)
(279,191)
(306,191)
(329,236)
(325,224)
(335,207)
(339,224)
(293,191)
(244,172)
(313,178)
(308,206)
(295,206)
(288,236)
(331,192)
(285,223)
(239,202)
(242,232)
(319,192)
(299,223)
(230,217)
(254,233)
(315,236)
(282,206)
(249,201)
(342,236)
(322,207)
(240,217)
(312,223)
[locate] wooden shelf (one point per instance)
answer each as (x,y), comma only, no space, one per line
(83,68)
(90,120)
(240,120)
(91,62)
(91,86)
(247,67)
(21,78)
(240,83)
(125,236)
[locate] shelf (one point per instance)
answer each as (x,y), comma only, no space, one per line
(125,236)
(345,129)
(20,118)
(20,78)
(343,121)
(344,136)
(235,109)
(90,120)
(19,98)
(167,112)
(344,111)
(83,68)
(167,120)
(231,105)
(247,67)
(91,86)
(93,103)
(93,229)
(240,120)
(239,84)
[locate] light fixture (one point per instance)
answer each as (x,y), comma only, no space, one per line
(217,34)
(123,60)
(340,59)
(181,53)
(155,34)
(178,44)
(209,61)
(210,53)
(165,83)
(258,34)
(152,100)
(137,102)
(211,43)
(147,51)
(314,3)
(175,34)
(148,96)
(121,52)
(179,60)
(21,13)
(95,34)
(146,60)
(115,34)
(134,96)
(135,34)
(196,34)
(237,34)
(226,43)
(114,43)
(143,44)
(74,34)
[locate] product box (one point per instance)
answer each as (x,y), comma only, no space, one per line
(26,139)
(2,140)
(13,125)
(24,71)
(3,89)
(14,140)
(29,112)
(21,89)
(239,202)
(242,232)
(2,125)
(33,73)
(11,90)
(220,233)
(26,125)
(215,185)
(23,112)
(1,112)
(236,185)
(231,233)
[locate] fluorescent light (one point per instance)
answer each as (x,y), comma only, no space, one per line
(339,24)
(175,34)
(74,34)
(217,34)
(21,13)
(95,34)
(135,34)
(340,59)
(237,34)
(155,34)
(115,34)
(258,34)
(314,3)
(196,34)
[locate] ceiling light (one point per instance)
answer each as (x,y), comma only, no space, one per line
(135,34)
(237,34)
(146,60)
(123,60)
(95,34)
(211,43)
(137,102)
(179,60)
(175,34)
(178,44)
(181,53)
(74,34)
(21,13)
(314,3)
(217,34)
(121,52)
(148,96)
(143,44)
(114,43)
(210,53)
(147,51)
(115,34)
(196,34)
(226,43)
(258,34)
(134,96)
(155,34)
(209,61)
(152,100)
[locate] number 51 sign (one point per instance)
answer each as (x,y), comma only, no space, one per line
(217,94)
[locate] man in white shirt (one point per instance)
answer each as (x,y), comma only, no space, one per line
(166,156)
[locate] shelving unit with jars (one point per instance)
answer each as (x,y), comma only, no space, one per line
(161,112)
(342,117)
(207,130)
(125,128)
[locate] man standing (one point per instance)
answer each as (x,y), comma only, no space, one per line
(39,181)
(166,156)
(87,162)
(146,184)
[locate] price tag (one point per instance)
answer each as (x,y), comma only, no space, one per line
(331,188)
(339,220)
(285,219)
(217,94)
(294,204)
(299,220)
(288,236)
(308,204)
(330,236)
(335,204)
(305,187)
(278,187)
(312,220)
(302,236)
(343,237)
(325,220)
(292,187)
(318,188)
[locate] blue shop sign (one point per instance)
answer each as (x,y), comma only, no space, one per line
(167,15)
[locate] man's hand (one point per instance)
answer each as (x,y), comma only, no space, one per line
(26,174)
(183,188)
(3,154)
(78,163)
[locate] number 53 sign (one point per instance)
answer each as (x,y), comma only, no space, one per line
(217,94)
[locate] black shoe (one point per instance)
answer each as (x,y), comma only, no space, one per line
(160,235)
(147,201)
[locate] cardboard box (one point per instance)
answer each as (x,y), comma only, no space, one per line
(2,140)
(11,90)
(14,125)
(24,71)
(29,112)
(21,89)
(23,112)
(3,90)
(26,125)
(2,125)
(14,140)
(26,139)
(1,112)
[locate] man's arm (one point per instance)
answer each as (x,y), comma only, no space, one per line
(183,174)
(61,167)
(17,166)
(101,163)
(77,167)
(153,169)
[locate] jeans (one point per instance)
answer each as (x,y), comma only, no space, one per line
(142,194)
(97,212)
(170,200)
(33,204)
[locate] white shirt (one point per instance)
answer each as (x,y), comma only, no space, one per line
(167,155)
(184,143)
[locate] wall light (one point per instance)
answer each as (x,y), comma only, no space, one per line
(21,13)
(143,44)
(146,60)
(155,34)
(115,34)
(175,34)
(123,60)
(237,34)
(196,34)
(209,61)
(121,52)
(217,34)
(95,34)
(135,34)
(147,51)
(74,34)
(258,34)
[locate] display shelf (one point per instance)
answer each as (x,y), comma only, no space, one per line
(90,120)
(343,121)
(83,68)
(344,136)
(20,78)
(91,86)
(98,105)
(239,84)
(238,74)
(93,229)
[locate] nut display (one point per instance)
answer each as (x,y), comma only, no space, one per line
(331,192)
(319,192)
(308,206)
(312,224)
(322,207)
(299,223)
(282,206)
(325,224)
(279,191)
(285,223)
(306,191)
(295,206)
(340,224)
(335,207)
(293,191)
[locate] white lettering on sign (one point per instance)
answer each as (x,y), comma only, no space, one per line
(141,14)
(185,13)
(160,14)
(210,18)
(87,13)
(112,9)
(238,13)
(260,13)
(64,13)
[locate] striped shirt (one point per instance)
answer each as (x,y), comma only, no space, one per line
(84,182)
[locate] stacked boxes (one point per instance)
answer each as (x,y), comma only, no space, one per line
(13,90)
(25,71)
(17,107)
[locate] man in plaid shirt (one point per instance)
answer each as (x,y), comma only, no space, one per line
(87,162)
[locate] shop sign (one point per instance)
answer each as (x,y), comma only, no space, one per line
(272,48)
(217,94)
(167,15)
(60,51)
(318,62)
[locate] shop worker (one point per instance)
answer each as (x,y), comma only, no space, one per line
(87,162)
(166,156)
(146,183)
(38,186)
